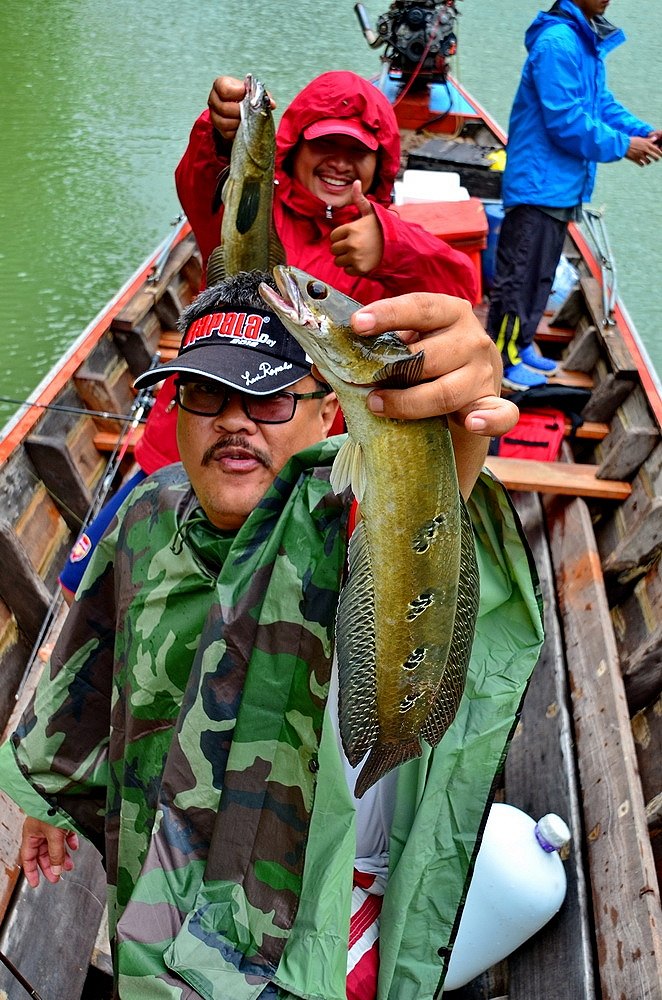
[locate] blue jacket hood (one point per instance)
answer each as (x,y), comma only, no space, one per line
(602,35)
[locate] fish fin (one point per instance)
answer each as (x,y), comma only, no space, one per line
(216,266)
(217,199)
(449,695)
(348,469)
(355,649)
(401,374)
(383,758)
(249,205)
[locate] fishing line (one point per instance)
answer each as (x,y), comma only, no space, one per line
(62,408)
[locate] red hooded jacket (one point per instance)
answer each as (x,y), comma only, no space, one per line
(413,259)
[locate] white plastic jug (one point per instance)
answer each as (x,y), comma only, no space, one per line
(518,885)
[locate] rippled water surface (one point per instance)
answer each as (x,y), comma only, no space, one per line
(99,97)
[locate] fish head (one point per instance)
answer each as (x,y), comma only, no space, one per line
(319,317)
(257,128)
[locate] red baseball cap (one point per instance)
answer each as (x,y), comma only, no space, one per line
(342,126)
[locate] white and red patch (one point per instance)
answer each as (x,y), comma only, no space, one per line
(81,549)
(363,953)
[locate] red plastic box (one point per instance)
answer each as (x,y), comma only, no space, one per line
(463,224)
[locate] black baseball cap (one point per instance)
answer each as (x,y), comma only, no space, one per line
(248,349)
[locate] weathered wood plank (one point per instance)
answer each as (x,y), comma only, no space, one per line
(638,628)
(540,777)
(583,353)
(104,382)
(137,308)
(577,379)
(23,591)
(105,441)
(49,932)
(621,361)
(139,344)
(626,903)
(547,333)
(634,434)
(630,541)
(647,733)
(569,478)
(11,824)
(607,394)
(571,311)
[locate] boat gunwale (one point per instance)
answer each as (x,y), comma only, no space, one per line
(56,379)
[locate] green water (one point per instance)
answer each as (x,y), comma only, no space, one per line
(98,97)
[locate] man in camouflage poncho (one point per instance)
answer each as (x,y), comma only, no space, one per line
(182,723)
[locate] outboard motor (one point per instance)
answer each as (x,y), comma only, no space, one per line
(418,35)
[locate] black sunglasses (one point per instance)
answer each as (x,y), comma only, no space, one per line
(209,399)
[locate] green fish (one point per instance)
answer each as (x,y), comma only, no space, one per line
(248,239)
(407,612)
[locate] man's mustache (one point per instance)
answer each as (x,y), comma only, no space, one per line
(235,441)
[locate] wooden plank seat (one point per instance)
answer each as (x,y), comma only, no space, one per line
(567,478)
(105,441)
(566,376)
(549,334)
(570,478)
(170,340)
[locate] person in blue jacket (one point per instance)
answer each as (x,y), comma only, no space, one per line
(564,121)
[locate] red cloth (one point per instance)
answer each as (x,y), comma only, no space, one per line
(363,950)
(413,260)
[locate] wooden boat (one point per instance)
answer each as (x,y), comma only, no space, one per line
(589,741)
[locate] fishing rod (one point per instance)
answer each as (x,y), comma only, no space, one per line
(160,262)
(63,408)
(141,404)
(595,224)
(28,987)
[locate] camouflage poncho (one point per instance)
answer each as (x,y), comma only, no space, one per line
(181,728)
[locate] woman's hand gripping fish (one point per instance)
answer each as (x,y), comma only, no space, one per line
(406,615)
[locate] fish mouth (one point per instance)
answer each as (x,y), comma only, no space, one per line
(290,302)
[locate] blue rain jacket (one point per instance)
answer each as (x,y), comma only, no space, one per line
(564,120)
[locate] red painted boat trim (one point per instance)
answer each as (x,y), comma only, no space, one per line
(58,377)
(626,329)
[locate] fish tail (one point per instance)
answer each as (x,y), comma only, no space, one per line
(383,758)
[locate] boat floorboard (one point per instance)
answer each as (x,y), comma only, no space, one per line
(569,478)
(626,905)
(540,777)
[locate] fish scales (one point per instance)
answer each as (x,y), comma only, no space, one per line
(248,239)
(405,619)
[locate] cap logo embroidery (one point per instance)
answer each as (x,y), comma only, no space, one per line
(239,326)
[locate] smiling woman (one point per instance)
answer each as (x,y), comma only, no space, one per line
(330,165)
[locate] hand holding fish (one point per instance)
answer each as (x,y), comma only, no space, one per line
(461,374)
(45,848)
(462,371)
(358,247)
(224,103)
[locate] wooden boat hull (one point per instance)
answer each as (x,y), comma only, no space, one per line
(588,742)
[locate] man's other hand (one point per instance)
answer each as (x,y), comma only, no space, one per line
(46,848)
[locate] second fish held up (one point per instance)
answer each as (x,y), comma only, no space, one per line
(406,616)
(248,239)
